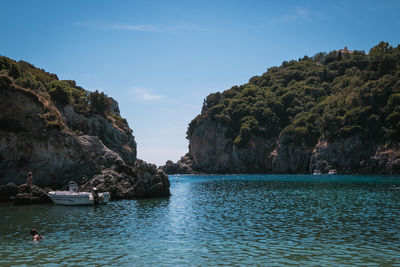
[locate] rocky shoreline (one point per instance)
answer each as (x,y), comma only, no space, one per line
(142,181)
(24,194)
(67,141)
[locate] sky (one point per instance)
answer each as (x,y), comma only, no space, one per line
(160,59)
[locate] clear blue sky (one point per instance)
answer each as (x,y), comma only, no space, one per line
(160,59)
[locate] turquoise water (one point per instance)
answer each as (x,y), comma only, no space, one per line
(268,220)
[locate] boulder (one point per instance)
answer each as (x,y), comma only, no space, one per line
(119,185)
(30,195)
(123,182)
(153,185)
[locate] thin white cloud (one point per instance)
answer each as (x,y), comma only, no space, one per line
(145,94)
(137,27)
(98,25)
(300,14)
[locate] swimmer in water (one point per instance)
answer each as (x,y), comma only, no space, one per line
(36,235)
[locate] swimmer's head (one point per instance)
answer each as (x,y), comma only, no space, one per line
(34,232)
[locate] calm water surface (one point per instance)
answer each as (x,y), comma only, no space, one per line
(268,220)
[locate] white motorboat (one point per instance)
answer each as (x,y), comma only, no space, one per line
(332,171)
(317,172)
(74,197)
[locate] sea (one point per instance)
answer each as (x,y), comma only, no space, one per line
(210,220)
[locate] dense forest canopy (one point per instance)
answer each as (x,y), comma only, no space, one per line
(330,95)
(60,92)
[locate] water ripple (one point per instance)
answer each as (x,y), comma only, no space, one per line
(272,220)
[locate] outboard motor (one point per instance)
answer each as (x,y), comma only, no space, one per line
(96,197)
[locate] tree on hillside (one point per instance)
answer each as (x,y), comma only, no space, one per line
(99,103)
(59,93)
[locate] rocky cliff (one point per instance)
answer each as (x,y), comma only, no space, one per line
(62,141)
(211,152)
(330,111)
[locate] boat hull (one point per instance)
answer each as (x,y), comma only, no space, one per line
(76,199)
(332,172)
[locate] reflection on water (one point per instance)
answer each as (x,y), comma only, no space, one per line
(211,220)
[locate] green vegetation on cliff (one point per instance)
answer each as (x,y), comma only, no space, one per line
(331,95)
(59,92)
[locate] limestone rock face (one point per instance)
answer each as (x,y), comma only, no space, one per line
(211,151)
(387,159)
(54,155)
(59,145)
(353,155)
(116,137)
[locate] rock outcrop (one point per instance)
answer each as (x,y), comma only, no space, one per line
(142,180)
(23,194)
(116,137)
(183,166)
(59,144)
(31,195)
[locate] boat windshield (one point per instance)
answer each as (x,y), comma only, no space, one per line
(73,187)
